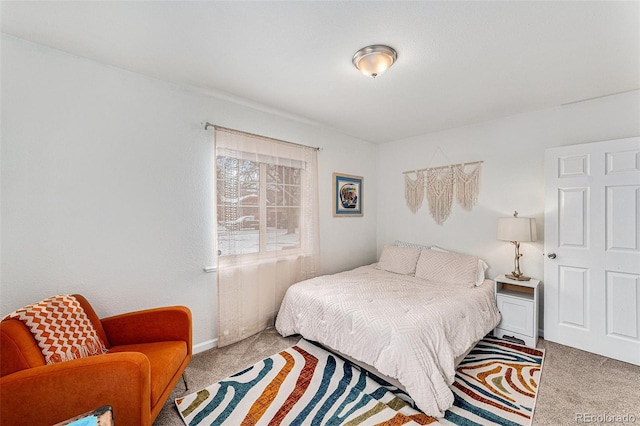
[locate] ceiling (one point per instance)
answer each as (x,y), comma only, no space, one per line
(458,62)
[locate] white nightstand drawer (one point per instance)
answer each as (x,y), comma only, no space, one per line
(517,314)
(510,335)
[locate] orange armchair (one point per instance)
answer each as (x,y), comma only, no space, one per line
(148,351)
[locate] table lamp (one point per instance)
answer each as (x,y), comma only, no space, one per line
(517,229)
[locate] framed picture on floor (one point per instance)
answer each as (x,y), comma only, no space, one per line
(347,195)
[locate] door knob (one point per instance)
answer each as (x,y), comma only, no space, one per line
(551,255)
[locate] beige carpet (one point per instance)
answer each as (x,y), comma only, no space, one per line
(574,383)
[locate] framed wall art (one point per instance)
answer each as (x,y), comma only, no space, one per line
(347,195)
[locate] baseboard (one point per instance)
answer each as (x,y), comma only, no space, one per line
(541,333)
(205,346)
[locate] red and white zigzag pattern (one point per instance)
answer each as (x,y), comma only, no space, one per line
(61,328)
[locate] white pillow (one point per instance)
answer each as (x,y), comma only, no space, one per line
(436,248)
(401,260)
(412,245)
(450,268)
(482,265)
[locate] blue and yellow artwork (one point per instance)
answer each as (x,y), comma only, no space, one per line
(347,195)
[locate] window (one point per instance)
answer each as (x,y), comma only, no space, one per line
(267,209)
(258,206)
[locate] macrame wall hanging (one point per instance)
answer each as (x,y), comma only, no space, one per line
(440,192)
(414,191)
(439,187)
(467,185)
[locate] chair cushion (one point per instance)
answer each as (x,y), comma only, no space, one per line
(164,357)
(18,348)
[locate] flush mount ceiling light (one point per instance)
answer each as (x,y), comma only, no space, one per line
(374,60)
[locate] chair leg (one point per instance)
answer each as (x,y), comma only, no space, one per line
(184,379)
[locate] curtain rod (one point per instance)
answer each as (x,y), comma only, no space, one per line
(442,167)
(207,125)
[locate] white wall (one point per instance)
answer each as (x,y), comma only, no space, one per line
(107,186)
(107,183)
(512,177)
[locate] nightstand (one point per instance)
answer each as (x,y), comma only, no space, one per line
(518,304)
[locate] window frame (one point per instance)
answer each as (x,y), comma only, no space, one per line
(263,252)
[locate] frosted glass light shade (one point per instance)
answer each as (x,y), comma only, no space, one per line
(374,60)
(517,229)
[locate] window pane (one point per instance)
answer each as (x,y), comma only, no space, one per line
(238,184)
(272,193)
(277,218)
(291,196)
(272,173)
(283,231)
(283,193)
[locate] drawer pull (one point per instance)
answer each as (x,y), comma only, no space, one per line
(514,339)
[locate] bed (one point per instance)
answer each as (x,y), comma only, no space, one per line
(409,316)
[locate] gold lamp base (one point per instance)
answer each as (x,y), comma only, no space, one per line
(516,274)
(518,277)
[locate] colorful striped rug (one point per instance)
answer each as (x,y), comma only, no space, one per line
(496,383)
(308,385)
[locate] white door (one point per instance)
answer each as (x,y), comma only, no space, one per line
(592,248)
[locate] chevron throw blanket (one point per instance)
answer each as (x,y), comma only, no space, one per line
(61,328)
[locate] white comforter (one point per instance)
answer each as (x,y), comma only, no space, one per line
(408,328)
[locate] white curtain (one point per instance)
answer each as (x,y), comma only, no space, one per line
(267,214)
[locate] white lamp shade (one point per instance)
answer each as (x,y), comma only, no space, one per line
(517,229)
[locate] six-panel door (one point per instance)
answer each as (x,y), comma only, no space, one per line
(592,224)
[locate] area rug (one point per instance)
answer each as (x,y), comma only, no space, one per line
(308,385)
(496,383)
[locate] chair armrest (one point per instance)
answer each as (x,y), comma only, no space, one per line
(53,393)
(152,325)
